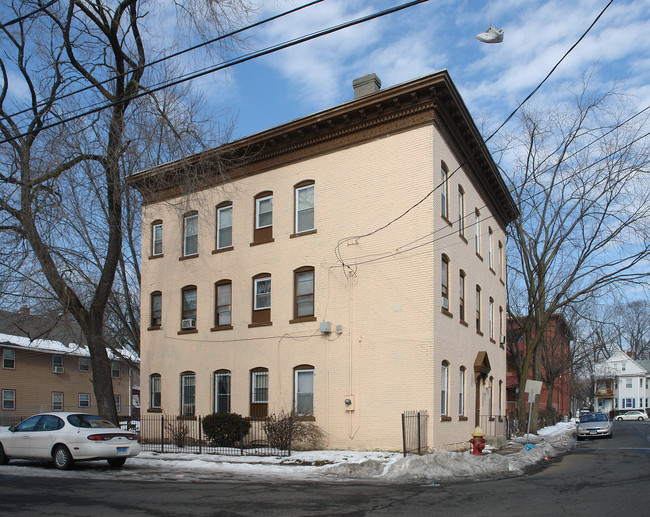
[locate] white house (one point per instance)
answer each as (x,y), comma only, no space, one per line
(621,383)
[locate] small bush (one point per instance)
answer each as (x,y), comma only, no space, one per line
(178,432)
(225,429)
(286,428)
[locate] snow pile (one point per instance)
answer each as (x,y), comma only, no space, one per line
(444,465)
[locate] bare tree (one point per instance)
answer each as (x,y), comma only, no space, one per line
(579,177)
(631,322)
(63,194)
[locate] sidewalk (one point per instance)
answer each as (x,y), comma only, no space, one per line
(388,467)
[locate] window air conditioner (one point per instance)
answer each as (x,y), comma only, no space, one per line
(502,340)
(58,369)
(188,324)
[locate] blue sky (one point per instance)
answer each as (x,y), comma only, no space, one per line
(429,37)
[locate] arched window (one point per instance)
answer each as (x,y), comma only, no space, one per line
(461,295)
(490,253)
(304,207)
(477,231)
(303,294)
(263,229)
(461,392)
(156,310)
(444,271)
(444,190)
(157,238)
(304,390)
(224,226)
(188,307)
(500,395)
(155,391)
(191,234)
(261,300)
(478,308)
(188,393)
(461,211)
(491,396)
(444,388)
(222,391)
(491,318)
(223,305)
(259,392)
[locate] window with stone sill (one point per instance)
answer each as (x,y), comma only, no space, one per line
(303,294)
(305,204)
(190,234)
(263,228)
(224,226)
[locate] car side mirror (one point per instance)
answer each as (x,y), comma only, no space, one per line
(12,428)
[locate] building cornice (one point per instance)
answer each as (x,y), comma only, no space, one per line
(430,99)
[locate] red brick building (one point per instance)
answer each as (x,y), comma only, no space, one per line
(556,361)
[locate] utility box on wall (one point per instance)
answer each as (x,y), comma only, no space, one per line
(349,403)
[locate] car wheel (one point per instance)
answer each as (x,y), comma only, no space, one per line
(62,458)
(116,463)
(3,457)
(620,419)
(640,418)
(579,438)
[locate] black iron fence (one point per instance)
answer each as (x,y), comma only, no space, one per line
(169,433)
(414,432)
(9,418)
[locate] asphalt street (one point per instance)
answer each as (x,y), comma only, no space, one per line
(599,477)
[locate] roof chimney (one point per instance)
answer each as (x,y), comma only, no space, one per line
(366,85)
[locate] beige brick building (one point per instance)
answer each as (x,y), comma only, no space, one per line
(40,375)
(348,265)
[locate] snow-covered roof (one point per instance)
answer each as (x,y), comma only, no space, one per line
(613,366)
(49,346)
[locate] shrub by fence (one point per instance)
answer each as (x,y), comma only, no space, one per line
(226,434)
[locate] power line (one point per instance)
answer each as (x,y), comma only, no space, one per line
(165,58)
(25,16)
(337,248)
(577,172)
(224,65)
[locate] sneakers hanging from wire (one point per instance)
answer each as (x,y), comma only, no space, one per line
(491,35)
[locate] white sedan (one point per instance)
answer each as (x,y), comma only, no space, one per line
(66,438)
(632,415)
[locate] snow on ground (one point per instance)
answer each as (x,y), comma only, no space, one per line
(342,466)
(379,466)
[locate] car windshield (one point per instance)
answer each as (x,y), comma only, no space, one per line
(594,417)
(90,421)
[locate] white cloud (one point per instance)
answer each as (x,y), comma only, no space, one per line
(436,35)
